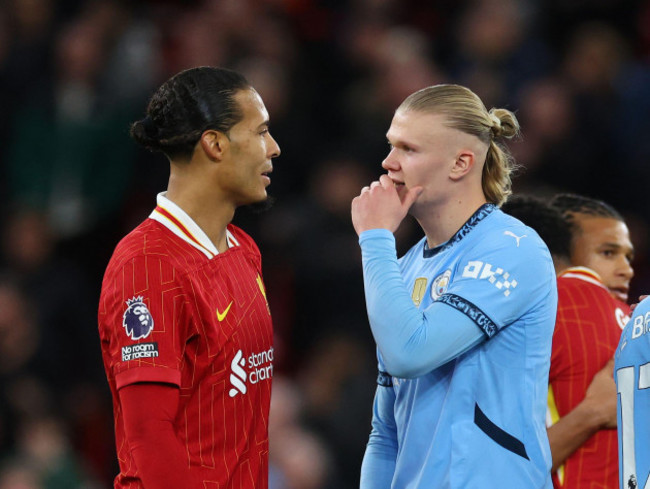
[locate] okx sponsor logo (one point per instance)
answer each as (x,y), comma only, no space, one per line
(497,276)
(256,368)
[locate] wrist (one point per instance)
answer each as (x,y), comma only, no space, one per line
(591,414)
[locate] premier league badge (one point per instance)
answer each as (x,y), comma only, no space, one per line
(137,320)
(440,284)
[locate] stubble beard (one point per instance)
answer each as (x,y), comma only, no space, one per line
(261,206)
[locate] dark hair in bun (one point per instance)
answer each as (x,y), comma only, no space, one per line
(185,106)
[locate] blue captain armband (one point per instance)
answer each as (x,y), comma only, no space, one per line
(472,312)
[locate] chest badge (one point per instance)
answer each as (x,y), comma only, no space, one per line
(440,284)
(260,284)
(419,287)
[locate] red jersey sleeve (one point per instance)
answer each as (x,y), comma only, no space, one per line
(144,321)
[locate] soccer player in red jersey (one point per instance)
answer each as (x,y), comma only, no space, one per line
(582,394)
(185,327)
(584,440)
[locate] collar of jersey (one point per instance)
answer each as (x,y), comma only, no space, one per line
(480,214)
(182,225)
(583,273)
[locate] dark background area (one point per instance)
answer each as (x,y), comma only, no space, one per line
(74,74)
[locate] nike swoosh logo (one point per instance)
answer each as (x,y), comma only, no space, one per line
(221,315)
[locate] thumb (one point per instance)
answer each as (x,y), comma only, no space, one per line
(411,196)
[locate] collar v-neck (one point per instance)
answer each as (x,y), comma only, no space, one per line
(480,214)
(182,225)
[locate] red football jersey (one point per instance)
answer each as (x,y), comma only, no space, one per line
(587,331)
(175,310)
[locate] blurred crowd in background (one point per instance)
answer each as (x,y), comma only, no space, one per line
(75,73)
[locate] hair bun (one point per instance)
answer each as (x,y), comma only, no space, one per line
(150,128)
(145,132)
(496,125)
(504,124)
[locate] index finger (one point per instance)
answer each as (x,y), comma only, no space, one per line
(386,181)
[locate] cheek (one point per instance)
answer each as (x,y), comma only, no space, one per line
(602,266)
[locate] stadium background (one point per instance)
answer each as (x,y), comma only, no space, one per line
(74,73)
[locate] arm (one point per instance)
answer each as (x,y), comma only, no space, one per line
(149,411)
(597,411)
(378,464)
(411,342)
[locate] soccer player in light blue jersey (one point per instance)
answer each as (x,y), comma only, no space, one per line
(464,321)
(632,375)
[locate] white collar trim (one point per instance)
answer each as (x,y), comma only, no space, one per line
(182,225)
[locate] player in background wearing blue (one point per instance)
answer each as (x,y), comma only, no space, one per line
(632,375)
(463,322)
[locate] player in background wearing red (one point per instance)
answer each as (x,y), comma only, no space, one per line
(582,396)
(584,440)
(185,328)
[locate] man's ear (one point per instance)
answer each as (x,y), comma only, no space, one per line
(463,164)
(214,144)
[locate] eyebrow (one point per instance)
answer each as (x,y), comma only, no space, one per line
(401,142)
(618,246)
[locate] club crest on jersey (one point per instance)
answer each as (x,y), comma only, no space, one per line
(137,320)
(440,284)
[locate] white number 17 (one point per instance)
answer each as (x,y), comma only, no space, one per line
(626,387)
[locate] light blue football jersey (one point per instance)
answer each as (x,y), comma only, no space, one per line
(632,375)
(478,420)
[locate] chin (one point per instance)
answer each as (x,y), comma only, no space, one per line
(261,205)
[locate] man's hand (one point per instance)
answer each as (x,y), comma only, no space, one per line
(601,396)
(382,206)
(633,306)
(597,411)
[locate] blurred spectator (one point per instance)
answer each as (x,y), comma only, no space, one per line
(72,74)
(79,170)
(298,459)
(45,450)
(64,318)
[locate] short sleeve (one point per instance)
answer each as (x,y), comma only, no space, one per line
(144,321)
(501,278)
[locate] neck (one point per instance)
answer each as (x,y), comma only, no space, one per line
(441,222)
(196,197)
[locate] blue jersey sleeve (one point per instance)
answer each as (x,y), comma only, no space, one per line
(411,342)
(501,278)
(378,466)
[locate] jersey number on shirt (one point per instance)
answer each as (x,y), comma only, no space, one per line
(625,383)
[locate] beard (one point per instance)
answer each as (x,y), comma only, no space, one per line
(261,206)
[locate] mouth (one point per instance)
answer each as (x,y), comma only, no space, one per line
(621,293)
(266,176)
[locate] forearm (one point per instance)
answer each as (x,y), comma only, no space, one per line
(570,432)
(379,460)
(378,467)
(411,342)
(149,413)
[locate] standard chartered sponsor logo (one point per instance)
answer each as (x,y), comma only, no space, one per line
(259,365)
(238,375)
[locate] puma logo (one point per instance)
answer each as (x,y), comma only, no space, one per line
(518,238)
